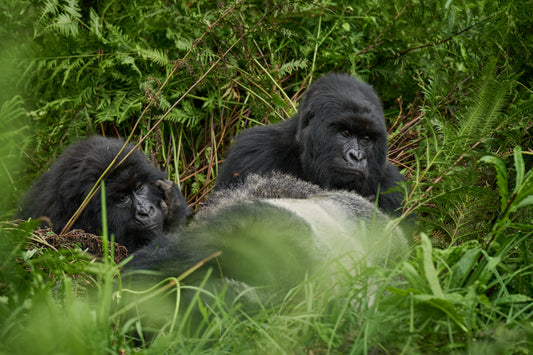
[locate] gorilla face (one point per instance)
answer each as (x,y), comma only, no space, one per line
(140,202)
(342,132)
(134,209)
(353,151)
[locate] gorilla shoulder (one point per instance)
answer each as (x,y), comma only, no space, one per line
(248,156)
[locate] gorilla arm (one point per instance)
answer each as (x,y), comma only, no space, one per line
(391,201)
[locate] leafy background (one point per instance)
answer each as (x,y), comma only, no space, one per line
(456,81)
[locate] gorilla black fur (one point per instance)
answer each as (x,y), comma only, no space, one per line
(337,140)
(140,202)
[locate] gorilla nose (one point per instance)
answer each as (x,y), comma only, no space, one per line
(354,156)
(144,212)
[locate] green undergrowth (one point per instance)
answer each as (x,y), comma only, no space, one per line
(455,78)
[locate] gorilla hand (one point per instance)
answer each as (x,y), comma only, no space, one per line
(173,205)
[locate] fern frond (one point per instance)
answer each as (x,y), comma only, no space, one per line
(293,65)
(61,16)
(11,111)
(157,56)
(484,116)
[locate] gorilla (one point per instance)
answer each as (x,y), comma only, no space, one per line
(268,235)
(337,140)
(141,203)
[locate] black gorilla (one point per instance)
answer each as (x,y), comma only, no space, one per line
(141,203)
(272,232)
(337,140)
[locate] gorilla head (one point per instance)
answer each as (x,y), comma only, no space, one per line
(344,115)
(337,140)
(140,203)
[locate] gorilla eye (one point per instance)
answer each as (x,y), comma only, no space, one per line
(366,138)
(346,133)
(123,198)
(139,186)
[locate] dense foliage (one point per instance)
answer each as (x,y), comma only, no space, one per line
(456,79)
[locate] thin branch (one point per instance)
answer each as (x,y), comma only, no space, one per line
(432,44)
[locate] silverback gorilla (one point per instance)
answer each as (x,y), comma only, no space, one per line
(337,140)
(141,203)
(272,232)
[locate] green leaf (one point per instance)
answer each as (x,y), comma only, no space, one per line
(463,268)
(443,305)
(130,61)
(511,299)
(413,277)
(487,271)
(528,201)
(293,65)
(524,193)
(403,291)
(501,178)
(522,226)
(519,166)
(429,269)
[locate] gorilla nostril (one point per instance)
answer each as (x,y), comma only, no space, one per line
(354,156)
(145,212)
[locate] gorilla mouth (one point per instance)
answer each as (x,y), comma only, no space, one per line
(351,171)
(150,227)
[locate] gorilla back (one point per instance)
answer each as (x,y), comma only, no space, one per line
(271,237)
(337,140)
(140,203)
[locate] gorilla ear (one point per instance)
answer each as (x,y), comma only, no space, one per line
(304,117)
